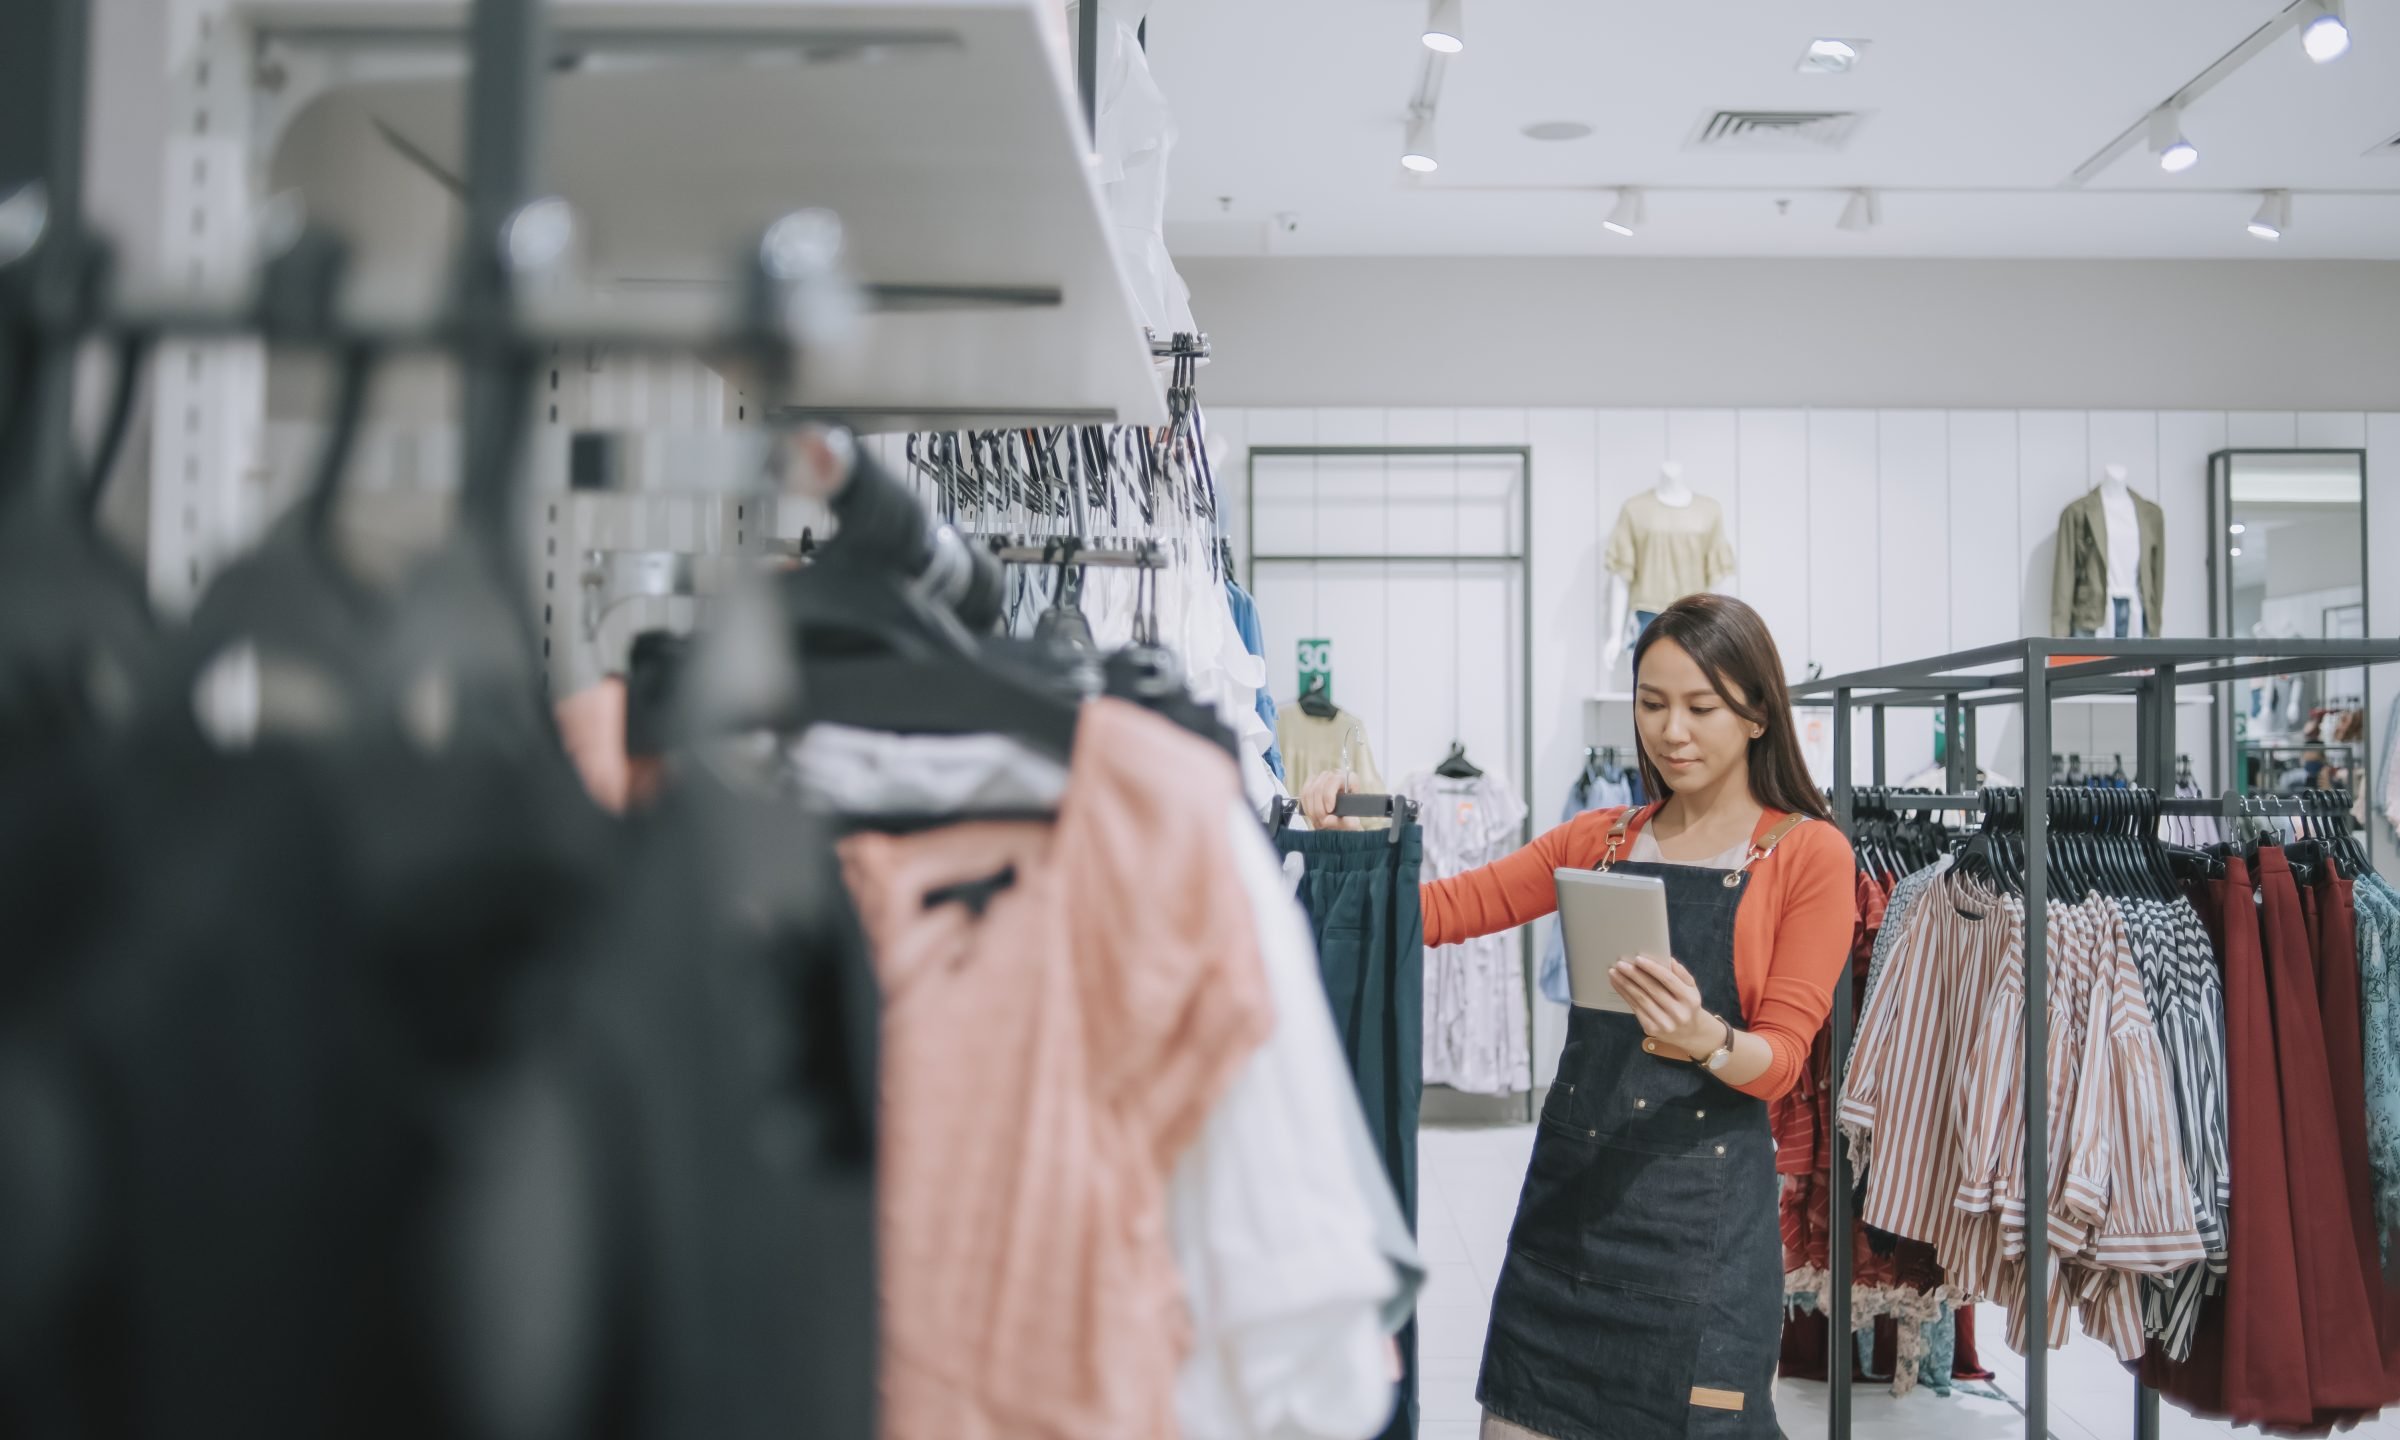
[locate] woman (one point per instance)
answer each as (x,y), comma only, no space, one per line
(1643,1292)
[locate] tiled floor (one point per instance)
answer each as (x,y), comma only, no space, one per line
(1468,1180)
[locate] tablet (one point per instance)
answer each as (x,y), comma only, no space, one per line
(1605,918)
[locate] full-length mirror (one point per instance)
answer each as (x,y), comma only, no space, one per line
(2289,563)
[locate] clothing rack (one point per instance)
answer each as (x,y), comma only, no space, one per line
(2034,673)
(1067,550)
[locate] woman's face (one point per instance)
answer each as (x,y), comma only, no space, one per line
(1689,732)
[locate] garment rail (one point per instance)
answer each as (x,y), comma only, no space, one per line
(2034,673)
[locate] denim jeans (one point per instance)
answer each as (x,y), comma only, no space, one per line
(1360,892)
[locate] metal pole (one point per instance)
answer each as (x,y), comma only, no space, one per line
(2155,767)
(1524,573)
(1959,776)
(1838,1341)
(43,64)
(1087,65)
(2037,1040)
(507,87)
(1881,764)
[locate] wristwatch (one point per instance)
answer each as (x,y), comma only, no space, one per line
(1722,1056)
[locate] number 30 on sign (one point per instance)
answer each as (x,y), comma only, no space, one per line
(1316,666)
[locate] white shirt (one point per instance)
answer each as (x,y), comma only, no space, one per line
(1275,1222)
(2124,543)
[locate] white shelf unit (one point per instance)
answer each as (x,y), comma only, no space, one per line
(944,134)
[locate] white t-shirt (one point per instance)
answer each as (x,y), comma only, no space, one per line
(1277,1238)
(2124,555)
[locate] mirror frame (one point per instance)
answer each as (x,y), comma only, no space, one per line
(2220,593)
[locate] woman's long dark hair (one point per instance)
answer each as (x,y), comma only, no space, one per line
(1732,647)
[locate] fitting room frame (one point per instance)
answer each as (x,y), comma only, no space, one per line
(1518,560)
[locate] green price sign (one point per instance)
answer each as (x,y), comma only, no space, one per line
(1316,666)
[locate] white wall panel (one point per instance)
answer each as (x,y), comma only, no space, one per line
(1629,447)
(1491,427)
(2262,429)
(2330,430)
(2186,438)
(1913,499)
(1420,427)
(1775,561)
(1488,657)
(1287,614)
(1567,599)
(1709,443)
(1844,548)
(1228,433)
(1352,517)
(1353,604)
(1428,684)
(2054,466)
(2128,438)
(1284,509)
(1987,574)
(1424,491)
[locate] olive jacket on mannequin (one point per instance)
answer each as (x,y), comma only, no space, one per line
(2080,588)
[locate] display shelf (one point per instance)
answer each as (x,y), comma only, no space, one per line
(943,135)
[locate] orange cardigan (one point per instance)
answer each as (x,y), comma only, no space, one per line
(1790,938)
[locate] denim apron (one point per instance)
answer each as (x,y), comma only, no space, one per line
(1642,1297)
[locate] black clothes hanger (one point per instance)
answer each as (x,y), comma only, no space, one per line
(1456,765)
(1147,673)
(1064,623)
(1317,701)
(875,653)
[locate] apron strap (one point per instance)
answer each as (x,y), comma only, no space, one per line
(1765,844)
(1616,833)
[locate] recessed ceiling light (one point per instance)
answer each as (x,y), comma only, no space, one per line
(2328,35)
(2274,215)
(1418,153)
(2236,529)
(1626,217)
(1446,27)
(2175,154)
(1830,57)
(1557,130)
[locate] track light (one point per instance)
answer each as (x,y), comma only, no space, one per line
(2274,215)
(2328,34)
(2175,154)
(1829,57)
(1627,216)
(1418,153)
(1446,29)
(1864,212)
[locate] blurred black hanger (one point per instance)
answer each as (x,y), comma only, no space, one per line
(875,652)
(1317,700)
(78,639)
(292,595)
(1456,765)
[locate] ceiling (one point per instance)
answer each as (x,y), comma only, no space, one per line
(1977,116)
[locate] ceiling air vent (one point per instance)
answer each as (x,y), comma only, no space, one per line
(1810,132)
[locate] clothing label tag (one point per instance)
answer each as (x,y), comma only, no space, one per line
(1708,1399)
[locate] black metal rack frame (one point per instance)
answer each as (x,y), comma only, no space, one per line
(2032,673)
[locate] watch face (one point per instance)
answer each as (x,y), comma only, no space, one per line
(1719,1060)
